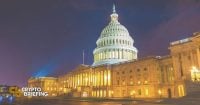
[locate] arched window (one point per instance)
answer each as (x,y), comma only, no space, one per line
(107,41)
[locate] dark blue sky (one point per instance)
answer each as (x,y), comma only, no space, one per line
(46,37)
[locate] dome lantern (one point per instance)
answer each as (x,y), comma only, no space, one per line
(114,15)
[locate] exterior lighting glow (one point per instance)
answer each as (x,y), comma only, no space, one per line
(195,74)
(1,99)
(131,82)
(139,82)
(85,94)
(146,92)
(133,93)
(112,92)
(159,92)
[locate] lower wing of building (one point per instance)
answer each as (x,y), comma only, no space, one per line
(175,75)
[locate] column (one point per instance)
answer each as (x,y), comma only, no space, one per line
(105,78)
(113,53)
(198,57)
(192,58)
(122,54)
(102,80)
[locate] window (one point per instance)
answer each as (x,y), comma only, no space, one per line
(139,92)
(131,82)
(189,57)
(117,73)
(145,82)
(145,69)
(138,70)
(123,72)
(131,77)
(130,71)
(123,82)
(117,82)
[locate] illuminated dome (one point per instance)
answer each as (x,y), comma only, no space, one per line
(115,44)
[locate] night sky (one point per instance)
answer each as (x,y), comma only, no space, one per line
(47,37)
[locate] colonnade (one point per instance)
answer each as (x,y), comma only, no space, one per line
(89,78)
(115,54)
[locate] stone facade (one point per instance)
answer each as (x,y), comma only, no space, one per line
(47,84)
(151,77)
(186,59)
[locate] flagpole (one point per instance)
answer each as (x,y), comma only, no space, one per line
(83,57)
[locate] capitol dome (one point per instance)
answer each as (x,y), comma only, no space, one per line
(114,44)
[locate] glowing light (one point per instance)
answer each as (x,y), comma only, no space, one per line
(112,92)
(159,92)
(50,66)
(85,94)
(195,74)
(139,82)
(109,81)
(45,70)
(131,82)
(133,92)
(146,92)
(1,99)
(10,99)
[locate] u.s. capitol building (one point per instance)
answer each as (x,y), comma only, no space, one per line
(117,71)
